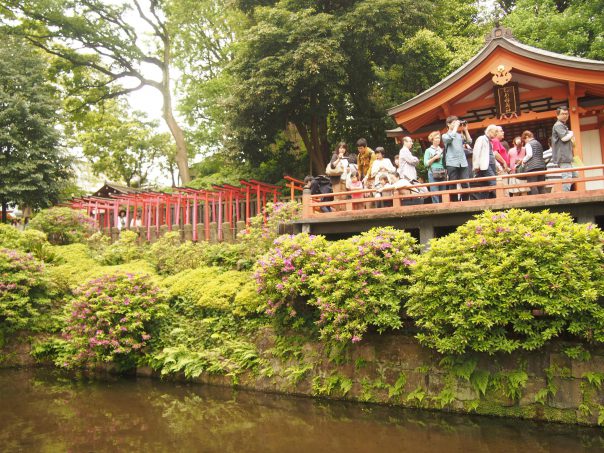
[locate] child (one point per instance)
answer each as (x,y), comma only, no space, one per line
(383,183)
(355,184)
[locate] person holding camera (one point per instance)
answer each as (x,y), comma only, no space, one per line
(455,159)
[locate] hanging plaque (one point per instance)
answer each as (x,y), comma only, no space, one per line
(507,100)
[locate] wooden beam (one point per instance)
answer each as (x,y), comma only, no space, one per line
(555,93)
(497,57)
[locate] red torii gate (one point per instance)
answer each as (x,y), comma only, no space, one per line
(156,209)
(260,189)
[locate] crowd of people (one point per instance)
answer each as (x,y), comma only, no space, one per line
(452,158)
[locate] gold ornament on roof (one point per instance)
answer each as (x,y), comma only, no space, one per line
(501,75)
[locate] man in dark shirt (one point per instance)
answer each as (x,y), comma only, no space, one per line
(562,145)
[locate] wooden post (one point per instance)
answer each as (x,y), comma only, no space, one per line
(306,204)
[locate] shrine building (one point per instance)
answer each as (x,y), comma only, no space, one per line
(517,87)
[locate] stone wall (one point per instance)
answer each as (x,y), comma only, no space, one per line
(396,370)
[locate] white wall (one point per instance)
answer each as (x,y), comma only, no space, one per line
(592,155)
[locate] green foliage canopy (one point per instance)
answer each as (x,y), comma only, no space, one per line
(33,168)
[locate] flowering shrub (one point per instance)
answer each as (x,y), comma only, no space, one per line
(262,231)
(362,282)
(282,274)
(22,290)
(63,225)
(111,320)
(477,289)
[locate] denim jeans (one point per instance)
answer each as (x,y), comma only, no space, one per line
(455,173)
(566,175)
(483,174)
(436,198)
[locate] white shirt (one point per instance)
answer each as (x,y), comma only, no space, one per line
(407,164)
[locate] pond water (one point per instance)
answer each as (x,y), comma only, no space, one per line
(46,411)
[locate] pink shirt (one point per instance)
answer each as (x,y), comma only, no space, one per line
(516,155)
(497,146)
(356,186)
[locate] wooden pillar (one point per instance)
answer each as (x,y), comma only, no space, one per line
(601,133)
(575,126)
(195,237)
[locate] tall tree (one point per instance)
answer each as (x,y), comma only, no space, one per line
(120,144)
(332,68)
(574,27)
(33,169)
(98,34)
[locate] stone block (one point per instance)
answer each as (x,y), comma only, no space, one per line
(187,232)
(213,232)
(176,228)
(530,391)
(465,392)
(559,360)
(568,395)
(239,226)
(579,368)
(365,352)
(436,383)
(201,232)
(227,232)
(415,379)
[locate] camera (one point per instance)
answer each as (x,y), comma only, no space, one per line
(463,122)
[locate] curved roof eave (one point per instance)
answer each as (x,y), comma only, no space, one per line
(509,44)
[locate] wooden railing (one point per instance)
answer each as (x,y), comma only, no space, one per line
(294,185)
(405,200)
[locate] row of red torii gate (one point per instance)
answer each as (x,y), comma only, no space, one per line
(216,214)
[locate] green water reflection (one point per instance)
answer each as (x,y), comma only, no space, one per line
(42,410)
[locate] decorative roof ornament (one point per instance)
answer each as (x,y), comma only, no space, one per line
(501,75)
(499,32)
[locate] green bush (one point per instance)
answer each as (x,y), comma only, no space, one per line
(23,290)
(36,243)
(214,288)
(282,276)
(75,265)
(29,241)
(111,319)
(170,256)
(98,243)
(362,282)
(476,289)
(124,250)
(63,225)
(9,236)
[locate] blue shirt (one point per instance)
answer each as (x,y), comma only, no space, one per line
(455,155)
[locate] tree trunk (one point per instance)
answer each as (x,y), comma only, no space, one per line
(4,211)
(316,158)
(182,157)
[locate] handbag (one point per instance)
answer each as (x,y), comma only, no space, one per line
(439,174)
(338,171)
